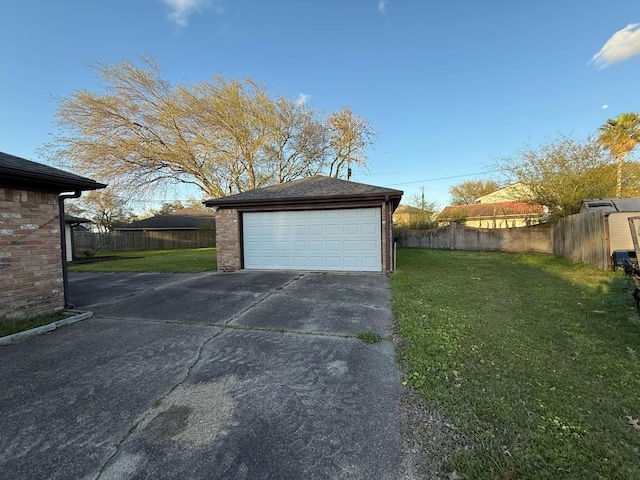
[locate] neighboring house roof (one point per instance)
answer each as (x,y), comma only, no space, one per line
(16,172)
(314,190)
(611,205)
(408,209)
(71,220)
(490,210)
(183,219)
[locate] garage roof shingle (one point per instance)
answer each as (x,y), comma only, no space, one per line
(309,190)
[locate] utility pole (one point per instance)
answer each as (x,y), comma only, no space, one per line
(422,201)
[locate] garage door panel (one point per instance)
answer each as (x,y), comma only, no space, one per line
(316,230)
(283,230)
(334,261)
(351,245)
(340,239)
(334,245)
(369,228)
(351,229)
(369,246)
(333,229)
(369,262)
(316,245)
(299,246)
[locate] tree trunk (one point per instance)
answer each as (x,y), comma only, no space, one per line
(619,177)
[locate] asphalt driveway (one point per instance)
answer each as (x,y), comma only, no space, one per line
(244,375)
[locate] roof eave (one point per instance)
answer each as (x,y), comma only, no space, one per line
(316,200)
(16,177)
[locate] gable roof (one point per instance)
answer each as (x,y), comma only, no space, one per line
(316,189)
(183,219)
(491,210)
(516,192)
(16,172)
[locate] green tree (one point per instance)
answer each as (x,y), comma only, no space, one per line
(562,173)
(620,135)
(222,135)
(468,192)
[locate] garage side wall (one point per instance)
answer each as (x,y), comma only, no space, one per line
(228,240)
(30,257)
(387,238)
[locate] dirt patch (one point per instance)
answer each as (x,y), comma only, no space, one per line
(194,414)
(428,438)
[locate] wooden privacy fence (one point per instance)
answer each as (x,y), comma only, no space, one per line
(583,237)
(142,240)
(458,237)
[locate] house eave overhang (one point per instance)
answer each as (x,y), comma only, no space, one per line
(18,179)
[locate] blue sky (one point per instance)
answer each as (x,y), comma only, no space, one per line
(449,85)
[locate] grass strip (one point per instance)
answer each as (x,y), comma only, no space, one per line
(533,358)
(188,260)
(11,326)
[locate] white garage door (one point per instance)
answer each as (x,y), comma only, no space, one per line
(346,239)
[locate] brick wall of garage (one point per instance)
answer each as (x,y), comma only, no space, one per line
(387,237)
(228,241)
(30,258)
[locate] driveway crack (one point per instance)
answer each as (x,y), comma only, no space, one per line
(156,402)
(263,298)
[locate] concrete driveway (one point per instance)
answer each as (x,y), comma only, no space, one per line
(248,375)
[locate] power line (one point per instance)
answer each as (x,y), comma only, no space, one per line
(443,178)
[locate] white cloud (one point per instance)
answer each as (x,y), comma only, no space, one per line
(605,106)
(181,9)
(622,45)
(303,98)
(382,6)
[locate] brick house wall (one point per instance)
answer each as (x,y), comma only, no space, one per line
(228,241)
(31,281)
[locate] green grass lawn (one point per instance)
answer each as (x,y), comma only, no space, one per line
(191,260)
(11,326)
(535,359)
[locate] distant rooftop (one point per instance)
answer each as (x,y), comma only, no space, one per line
(490,210)
(611,205)
(183,219)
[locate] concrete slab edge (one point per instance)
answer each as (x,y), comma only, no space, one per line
(33,332)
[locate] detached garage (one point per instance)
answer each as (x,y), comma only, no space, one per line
(316,223)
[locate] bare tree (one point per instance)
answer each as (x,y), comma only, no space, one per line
(349,138)
(105,208)
(222,136)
